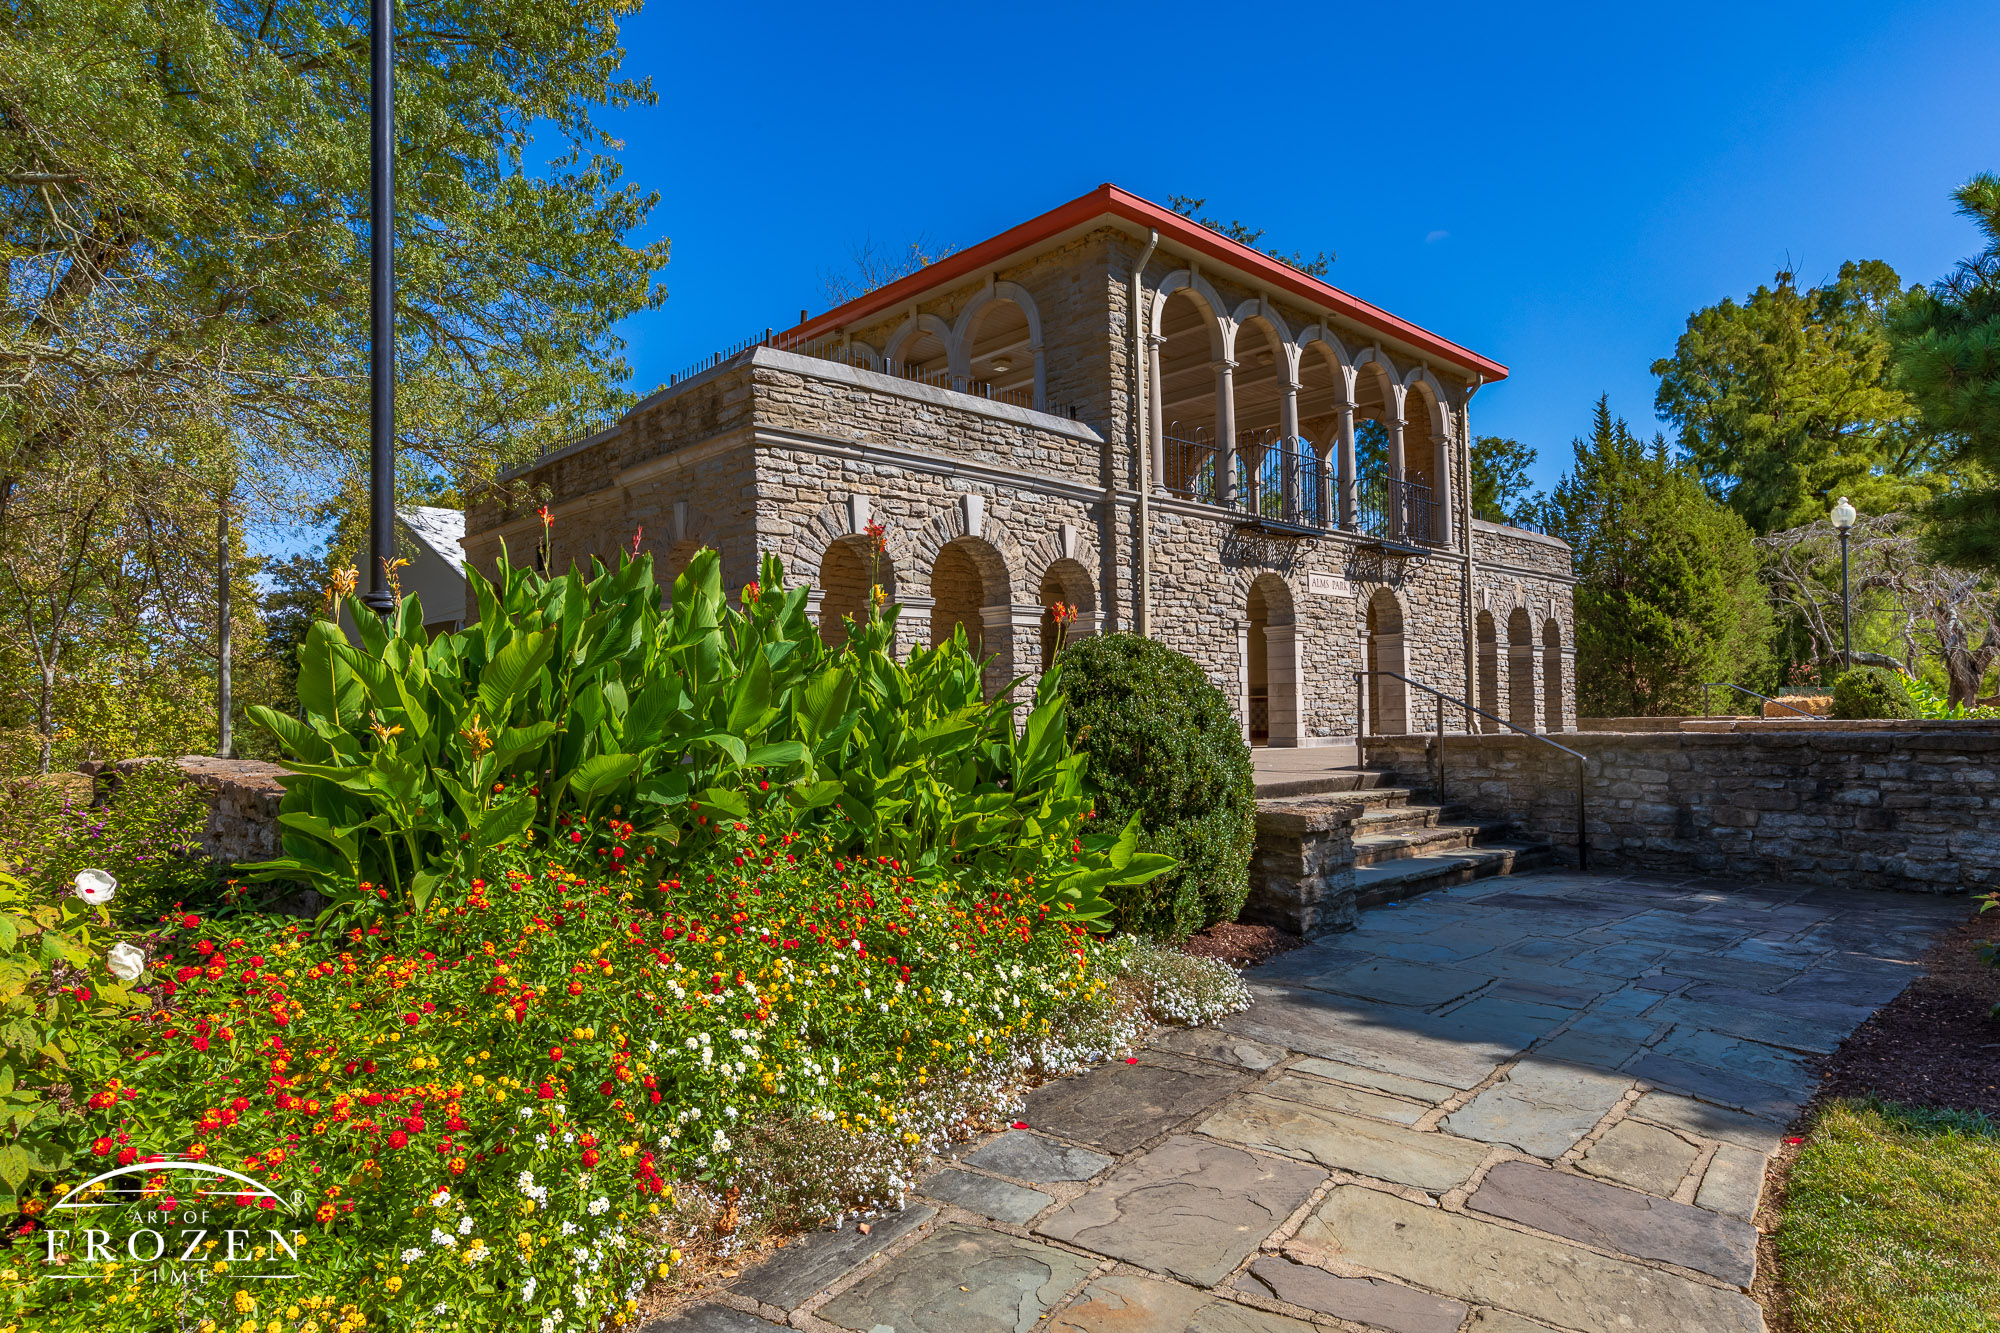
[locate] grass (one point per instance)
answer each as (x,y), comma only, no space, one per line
(1891,1222)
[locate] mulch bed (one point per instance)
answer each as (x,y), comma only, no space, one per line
(1937,1044)
(1240,945)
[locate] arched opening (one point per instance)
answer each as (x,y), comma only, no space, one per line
(848,571)
(1552,676)
(1067,583)
(1270,661)
(924,357)
(1374,408)
(1185,381)
(1322,393)
(999,352)
(1521,670)
(1259,388)
(1388,700)
(1423,471)
(1489,671)
(967,579)
(674,564)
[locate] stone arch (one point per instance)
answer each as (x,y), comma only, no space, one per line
(1388,698)
(997,342)
(1552,675)
(1222,332)
(1489,671)
(1259,308)
(1521,669)
(923,349)
(1270,662)
(1390,379)
(968,583)
(850,569)
(1427,463)
(837,521)
(1065,580)
(1188,356)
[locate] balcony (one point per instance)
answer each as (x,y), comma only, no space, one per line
(1282,482)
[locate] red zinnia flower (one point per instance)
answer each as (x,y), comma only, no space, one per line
(397,1138)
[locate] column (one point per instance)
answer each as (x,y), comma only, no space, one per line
(1157,437)
(1344,464)
(1243,628)
(1041,399)
(1227,471)
(1397,505)
(1441,524)
(1296,507)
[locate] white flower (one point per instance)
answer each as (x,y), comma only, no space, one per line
(410,1256)
(465,1226)
(528,1288)
(721,1142)
(526,1181)
(444,1238)
(96,886)
(570,1228)
(527,1113)
(599,1206)
(441,1198)
(125,962)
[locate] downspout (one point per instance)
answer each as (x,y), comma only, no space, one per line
(1465,508)
(1141,411)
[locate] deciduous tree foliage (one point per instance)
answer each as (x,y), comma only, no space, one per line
(1667,593)
(1785,401)
(1947,350)
(1500,478)
(183,201)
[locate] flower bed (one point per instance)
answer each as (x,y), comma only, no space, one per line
(507,1099)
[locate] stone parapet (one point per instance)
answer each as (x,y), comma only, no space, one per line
(1302,867)
(1894,805)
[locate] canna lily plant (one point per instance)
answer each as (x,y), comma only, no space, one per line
(578,700)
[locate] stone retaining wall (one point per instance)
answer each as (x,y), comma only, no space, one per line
(1302,867)
(242,796)
(1888,806)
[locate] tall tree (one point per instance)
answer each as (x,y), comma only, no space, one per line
(182,226)
(1500,479)
(1947,355)
(1785,401)
(1667,594)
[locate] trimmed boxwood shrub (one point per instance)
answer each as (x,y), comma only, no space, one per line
(1872,692)
(1162,743)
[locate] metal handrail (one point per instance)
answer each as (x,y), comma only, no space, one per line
(1706,711)
(1361,733)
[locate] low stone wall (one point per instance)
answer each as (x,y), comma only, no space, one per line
(242,796)
(1629,724)
(1882,806)
(1302,867)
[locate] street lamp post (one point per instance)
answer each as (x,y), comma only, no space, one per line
(1843,523)
(381,305)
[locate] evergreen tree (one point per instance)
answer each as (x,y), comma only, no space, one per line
(1785,402)
(1947,356)
(1667,592)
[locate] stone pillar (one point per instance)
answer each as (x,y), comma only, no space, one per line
(1295,505)
(1442,491)
(1041,401)
(1228,474)
(913,626)
(1013,639)
(1348,485)
(1284,683)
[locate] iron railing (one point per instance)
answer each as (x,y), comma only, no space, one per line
(1399,511)
(1361,734)
(1740,689)
(1269,477)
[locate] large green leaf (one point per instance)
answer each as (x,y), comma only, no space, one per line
(595,776)
(509,676)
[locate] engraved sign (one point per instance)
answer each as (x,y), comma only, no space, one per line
(1326,585)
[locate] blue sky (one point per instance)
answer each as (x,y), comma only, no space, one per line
(1556,188)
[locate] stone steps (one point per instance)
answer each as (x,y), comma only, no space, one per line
(1340,780)
(1435,837)
(1415,875)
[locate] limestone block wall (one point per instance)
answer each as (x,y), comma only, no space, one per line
(242,797)
(1302,866)
(1893,807)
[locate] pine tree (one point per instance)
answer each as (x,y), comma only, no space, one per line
(1667,593)
(1947,356)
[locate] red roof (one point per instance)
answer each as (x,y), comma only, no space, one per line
(1109,200)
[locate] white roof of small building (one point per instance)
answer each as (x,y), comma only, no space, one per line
(441,531)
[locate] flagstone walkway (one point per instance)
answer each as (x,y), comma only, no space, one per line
(1527,1104)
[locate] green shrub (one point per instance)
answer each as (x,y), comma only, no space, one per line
(1867,692)
(148,837)
(1163,745)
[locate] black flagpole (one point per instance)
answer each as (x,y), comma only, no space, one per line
(381,305)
